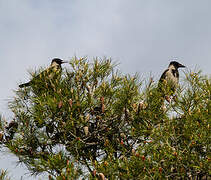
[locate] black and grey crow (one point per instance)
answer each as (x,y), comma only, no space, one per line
(170,78)
(54,69)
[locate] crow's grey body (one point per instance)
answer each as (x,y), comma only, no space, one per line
(170,77)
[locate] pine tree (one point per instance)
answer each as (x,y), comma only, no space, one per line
(94,122)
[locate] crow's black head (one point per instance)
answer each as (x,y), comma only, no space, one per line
(58,61)
(176,64)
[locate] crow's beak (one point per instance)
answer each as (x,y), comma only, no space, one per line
(64,62)
(181,66)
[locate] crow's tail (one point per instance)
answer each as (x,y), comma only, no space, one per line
(24,85)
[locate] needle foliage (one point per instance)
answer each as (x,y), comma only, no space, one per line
(94,122)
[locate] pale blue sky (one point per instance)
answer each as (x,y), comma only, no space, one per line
(142,35)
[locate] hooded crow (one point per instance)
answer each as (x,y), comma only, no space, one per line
(170,78)
(54,69)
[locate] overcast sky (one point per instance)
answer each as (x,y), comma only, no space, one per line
(142,35)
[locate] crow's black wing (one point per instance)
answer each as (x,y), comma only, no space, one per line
(163,76)
(166,85)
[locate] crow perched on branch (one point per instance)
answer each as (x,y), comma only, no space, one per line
(170,79)
(54,69)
